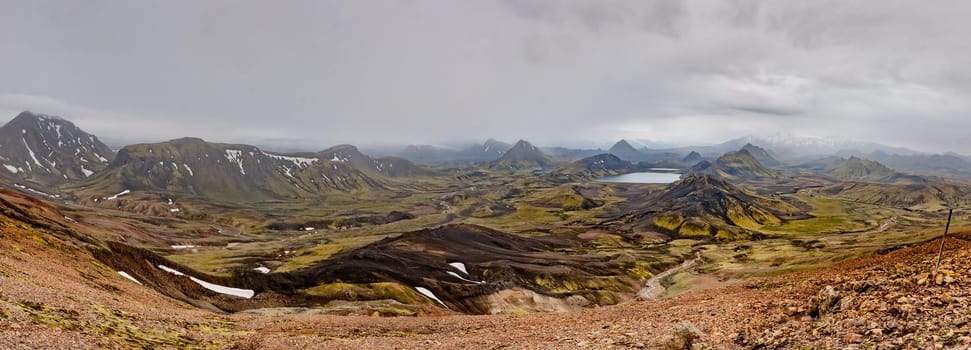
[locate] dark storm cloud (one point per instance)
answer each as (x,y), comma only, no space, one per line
(326,72)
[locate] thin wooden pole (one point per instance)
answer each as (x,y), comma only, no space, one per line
(946,228)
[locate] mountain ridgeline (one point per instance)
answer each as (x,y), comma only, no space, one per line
(488,151)
(232,172)
(47,151)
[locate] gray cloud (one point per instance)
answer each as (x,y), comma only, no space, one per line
(326,72)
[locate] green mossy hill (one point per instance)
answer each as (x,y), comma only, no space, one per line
(704,206)
(762,155)
(590,168)
(858,169)
(910,196)
(734,165)
(523,155)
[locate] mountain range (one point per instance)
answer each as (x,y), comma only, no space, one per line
(233,172)
(43,153)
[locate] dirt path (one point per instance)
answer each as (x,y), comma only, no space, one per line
(653,288)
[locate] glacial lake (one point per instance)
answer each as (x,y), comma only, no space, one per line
(646,177)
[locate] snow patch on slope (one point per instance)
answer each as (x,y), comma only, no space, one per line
(424,291)
(126,275)
(32,156)
(453,274)
(236,156)
(242,293)
(298,161)
(119,194)
(459,266)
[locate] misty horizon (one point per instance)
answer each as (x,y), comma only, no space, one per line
(556,73)
(389,148)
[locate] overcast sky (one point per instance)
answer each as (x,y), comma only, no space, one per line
(567,72)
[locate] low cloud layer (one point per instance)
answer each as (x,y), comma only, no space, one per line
(317,73)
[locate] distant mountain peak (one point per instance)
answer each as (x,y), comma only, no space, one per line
(762,155)
(31,116)
(524,155)
(738,164)
(692,157)
(625,151)
(49,150)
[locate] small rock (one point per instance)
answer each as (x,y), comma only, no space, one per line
(853,338)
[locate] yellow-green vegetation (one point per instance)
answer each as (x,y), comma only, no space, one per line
(641,270)
(214,261)
(562,283)
(563,197)
(370,291)
(669,222)
(831,216)
(524,218)
(695,228)
(306,257)
(806,252)
(120,327)
(750,216)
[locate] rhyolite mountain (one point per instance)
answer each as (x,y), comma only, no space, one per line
(703,206)
(733,165)
(523,155)
(233,172)
(762,155)
(624,150)
(47,151)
